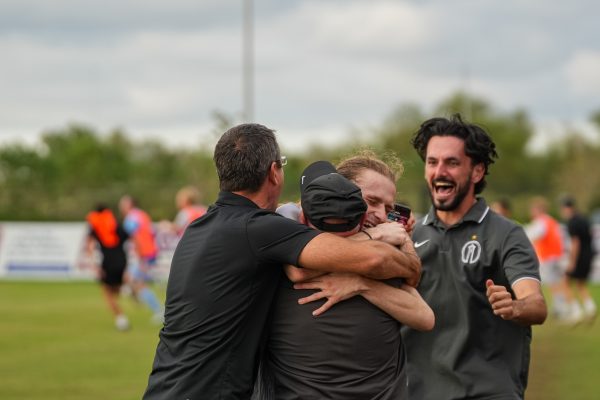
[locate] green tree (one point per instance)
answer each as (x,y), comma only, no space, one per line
(23,173)
(575,170)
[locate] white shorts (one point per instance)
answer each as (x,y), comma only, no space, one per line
(552,271)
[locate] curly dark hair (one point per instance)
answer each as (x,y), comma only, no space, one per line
(479,146)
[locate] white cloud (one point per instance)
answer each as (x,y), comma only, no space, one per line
(583,73)
(321,67)
(364,27)
(551,130)
(143,78)
(328,62)
(294,140)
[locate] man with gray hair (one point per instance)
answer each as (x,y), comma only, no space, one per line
(227,266)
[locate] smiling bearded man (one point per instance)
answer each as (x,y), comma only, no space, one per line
(480,276)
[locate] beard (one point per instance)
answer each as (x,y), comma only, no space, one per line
(451,204)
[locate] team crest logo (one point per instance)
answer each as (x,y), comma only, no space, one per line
(471,251)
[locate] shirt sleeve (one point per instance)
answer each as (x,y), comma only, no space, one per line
(518,258)
(181,219)
(536,230)
(573,228)
(123,235)
(277,239)
(131,225)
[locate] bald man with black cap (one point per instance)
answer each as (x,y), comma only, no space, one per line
(330,202)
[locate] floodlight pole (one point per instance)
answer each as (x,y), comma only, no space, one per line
(248,56)
(466,106)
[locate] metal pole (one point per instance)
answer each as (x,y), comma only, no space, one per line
(248,55)
(466,106)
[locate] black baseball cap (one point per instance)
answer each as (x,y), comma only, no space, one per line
(326,194)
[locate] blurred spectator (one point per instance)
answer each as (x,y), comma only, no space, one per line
(110,237)
(580,254)
(138,225)
(187,202)
(548,241)
(503,207)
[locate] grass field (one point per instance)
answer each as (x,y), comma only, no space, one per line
(57,341)
(565,360)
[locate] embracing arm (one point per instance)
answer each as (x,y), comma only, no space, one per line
(296,274)
(395,234)
(371,258)
(392,233)
(527,308)
(403,304)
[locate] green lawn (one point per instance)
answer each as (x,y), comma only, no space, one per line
(57,341)
(565,360)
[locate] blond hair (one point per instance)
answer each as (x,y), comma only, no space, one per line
(540,203)
(351,167)
(188,195)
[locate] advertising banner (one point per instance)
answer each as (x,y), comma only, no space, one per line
(43,250)
(57,250)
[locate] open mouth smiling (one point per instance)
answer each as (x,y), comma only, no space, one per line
(443,188)
(368,224)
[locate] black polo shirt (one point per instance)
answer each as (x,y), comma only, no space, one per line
(223,278)
(353,351)
(471,353)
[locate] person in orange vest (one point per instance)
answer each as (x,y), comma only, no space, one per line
(138,225)
(106,234)
(548,240)
(187,202)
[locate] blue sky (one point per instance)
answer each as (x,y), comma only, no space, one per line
(323,68)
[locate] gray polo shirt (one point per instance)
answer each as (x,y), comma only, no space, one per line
(471,353)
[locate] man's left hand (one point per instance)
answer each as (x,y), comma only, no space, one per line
(334,287)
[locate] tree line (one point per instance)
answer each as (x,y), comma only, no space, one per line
(71,169)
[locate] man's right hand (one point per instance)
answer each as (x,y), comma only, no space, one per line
(389,232)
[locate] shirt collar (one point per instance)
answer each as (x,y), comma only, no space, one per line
(232,199)
(476,213)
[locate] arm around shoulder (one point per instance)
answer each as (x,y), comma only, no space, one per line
(296,274)
(370,258)
(405,304)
